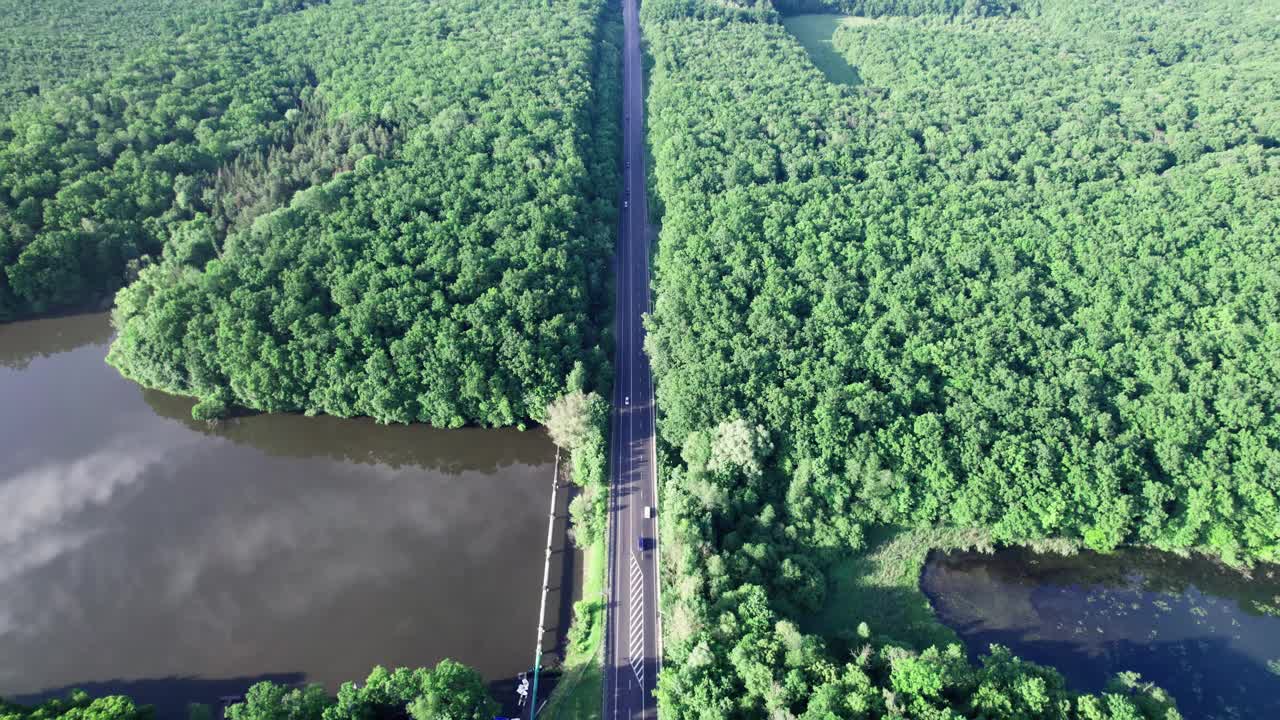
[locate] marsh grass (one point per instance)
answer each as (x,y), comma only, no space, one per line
(881,586)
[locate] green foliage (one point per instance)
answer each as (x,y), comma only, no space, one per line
(736,445)
(269,701)
(589,458)
(364,227)
(96,174)
(1020,279)
(771,11)
(312,151)
(731,654)
(453,692)
(213,407)
(745,662)
(79,706)
(49,43)
(450,691)
(416,243)
(738,10)
(570,419)
(585,513)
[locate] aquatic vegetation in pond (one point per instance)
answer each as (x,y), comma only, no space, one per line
(1203,632)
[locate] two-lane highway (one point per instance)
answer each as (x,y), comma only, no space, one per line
(632,630)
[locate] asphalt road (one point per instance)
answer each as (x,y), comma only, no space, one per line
(632,632)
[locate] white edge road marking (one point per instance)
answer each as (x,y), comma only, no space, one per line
(615,462)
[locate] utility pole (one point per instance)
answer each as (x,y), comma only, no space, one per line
(546,574)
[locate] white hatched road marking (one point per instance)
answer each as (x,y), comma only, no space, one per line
(636,644)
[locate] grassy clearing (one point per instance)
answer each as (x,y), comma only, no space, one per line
(815,33)
(881,587)
(579,692)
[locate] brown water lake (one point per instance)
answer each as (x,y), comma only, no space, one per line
(147,553)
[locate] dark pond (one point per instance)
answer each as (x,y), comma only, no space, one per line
(146,553)
(1205,633)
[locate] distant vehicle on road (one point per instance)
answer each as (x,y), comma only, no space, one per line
(642,543)
(648,511)
(625,204)
(626,400)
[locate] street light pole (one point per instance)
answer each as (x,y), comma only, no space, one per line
(546,574)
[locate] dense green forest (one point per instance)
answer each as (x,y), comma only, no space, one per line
(449,691)
(771,11)
(1023,278)
(47,43)
(96,171)
(95,176)
(374,207)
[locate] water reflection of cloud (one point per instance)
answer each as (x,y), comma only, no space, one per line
(41,502)
(366,530)
(207,558)
(53,514)
(45,508)
(135,544)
